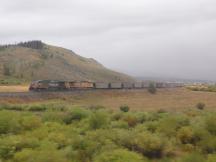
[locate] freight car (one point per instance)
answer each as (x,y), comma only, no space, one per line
(52,85)
(101,85)
(127,85)
(116,85)
(79,85)
(138,85)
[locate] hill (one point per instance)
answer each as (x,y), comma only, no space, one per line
(35,60)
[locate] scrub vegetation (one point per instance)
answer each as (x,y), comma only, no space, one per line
(64,133)
(204,88)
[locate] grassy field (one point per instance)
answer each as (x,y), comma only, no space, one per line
(178,99)
(34,131)
(90,127)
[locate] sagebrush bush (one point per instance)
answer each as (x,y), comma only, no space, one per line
(51,116)
(141,117)
(170,125)
(210,123)
(98,120)
(131,120)
(94,135)
(208,145)
(30,122)
(119,155)
(124,108)
(150,145)
(83,149)
(193,157)
(40,156)
(152,88)
(37,108)
(186,135)
(76,114)
(9,122)
(211,158)
(117,116)
(200,106)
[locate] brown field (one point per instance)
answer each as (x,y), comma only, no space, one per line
(178,99)
(16,88)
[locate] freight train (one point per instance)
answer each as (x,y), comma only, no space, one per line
(53,85)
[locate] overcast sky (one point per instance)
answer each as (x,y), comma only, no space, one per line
(159,38)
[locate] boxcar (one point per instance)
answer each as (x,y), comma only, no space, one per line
(80,85)
(138,85)
(160,85)
(145,84)
(86,85)
(128,85)
(101,85)
(74,85)
(116,85)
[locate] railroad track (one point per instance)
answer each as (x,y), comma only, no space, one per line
(40,94)
(48,93)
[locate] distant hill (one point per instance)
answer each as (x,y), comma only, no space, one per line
(35,60)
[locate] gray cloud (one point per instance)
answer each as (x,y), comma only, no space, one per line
(171,38)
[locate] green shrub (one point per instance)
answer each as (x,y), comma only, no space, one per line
(186,135)
(98,120)
(210,124)
(117,116)
(9,122)
(170,125)
(12,107)
(124,138)
(37,108)
(211,158)
(54,117)
(119,124)
(208,145)
(7,148)
(200,106)
(83,149)
(151,126)
(96,107)
(141,117)
(76,115)
(152,88)
(119,155)
(149,145)
(193,157)
(30,122)
(124,108)
(131,120)
(40,156)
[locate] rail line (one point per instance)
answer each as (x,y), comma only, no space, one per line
(53,93)
(47,94)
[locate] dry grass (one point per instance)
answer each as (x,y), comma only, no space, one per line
(17,88)
(167,99)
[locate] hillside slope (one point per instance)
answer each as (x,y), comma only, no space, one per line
(25,63)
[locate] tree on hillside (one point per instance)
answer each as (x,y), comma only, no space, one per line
(32,44)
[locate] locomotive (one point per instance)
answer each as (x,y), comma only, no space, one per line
(55,85)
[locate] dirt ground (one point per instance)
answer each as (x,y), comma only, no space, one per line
(16,88)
